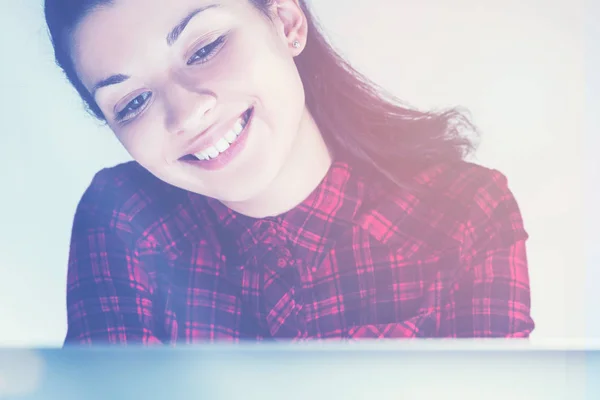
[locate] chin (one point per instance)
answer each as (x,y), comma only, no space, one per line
(240,194)
(248,188)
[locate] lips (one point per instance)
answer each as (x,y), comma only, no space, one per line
(223,142)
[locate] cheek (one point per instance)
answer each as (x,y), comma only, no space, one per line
(272,73)
(261,67)
(274,80)
(146,144)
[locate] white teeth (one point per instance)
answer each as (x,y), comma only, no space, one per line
(230,137)
(212,152)
(238,127)
(222,145)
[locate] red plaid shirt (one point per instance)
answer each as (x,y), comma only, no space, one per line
(150,263)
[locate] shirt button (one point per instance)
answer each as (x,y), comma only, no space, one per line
(314,269)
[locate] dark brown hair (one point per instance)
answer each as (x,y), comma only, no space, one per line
(358,120)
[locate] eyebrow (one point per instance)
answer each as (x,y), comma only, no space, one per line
(171,39)
(111,80)
(179,28)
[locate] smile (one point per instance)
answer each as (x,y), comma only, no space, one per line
(223,144)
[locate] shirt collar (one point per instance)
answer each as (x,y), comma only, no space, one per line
(332,206)
(344,198)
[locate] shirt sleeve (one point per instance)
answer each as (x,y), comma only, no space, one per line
(492,296)
(109,284)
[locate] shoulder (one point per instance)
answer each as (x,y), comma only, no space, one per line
(457,187)
(439,205)
(111,188)
(481,197)
(128,198)
(483,190)
(456,179)
(467,183)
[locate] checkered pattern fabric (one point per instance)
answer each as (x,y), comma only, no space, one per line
(443,257)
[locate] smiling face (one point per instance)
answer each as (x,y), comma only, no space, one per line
(202,93)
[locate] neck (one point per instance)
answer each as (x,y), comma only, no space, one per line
(305,167)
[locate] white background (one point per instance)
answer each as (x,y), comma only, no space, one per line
(517,65)
(592,167)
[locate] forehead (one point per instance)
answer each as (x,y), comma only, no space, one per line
(111,36)
(117,12)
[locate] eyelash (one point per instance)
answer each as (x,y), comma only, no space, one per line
(210,50)
(128,112)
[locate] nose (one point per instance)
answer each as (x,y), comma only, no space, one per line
(186,109)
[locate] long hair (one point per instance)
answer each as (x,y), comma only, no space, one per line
(358,120)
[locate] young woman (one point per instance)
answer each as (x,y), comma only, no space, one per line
(275,193)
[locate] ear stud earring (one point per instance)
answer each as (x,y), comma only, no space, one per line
(296,44)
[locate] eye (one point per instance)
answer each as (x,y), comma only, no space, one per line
(133,108)
(207,52)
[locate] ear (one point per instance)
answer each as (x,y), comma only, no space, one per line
(293,24)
